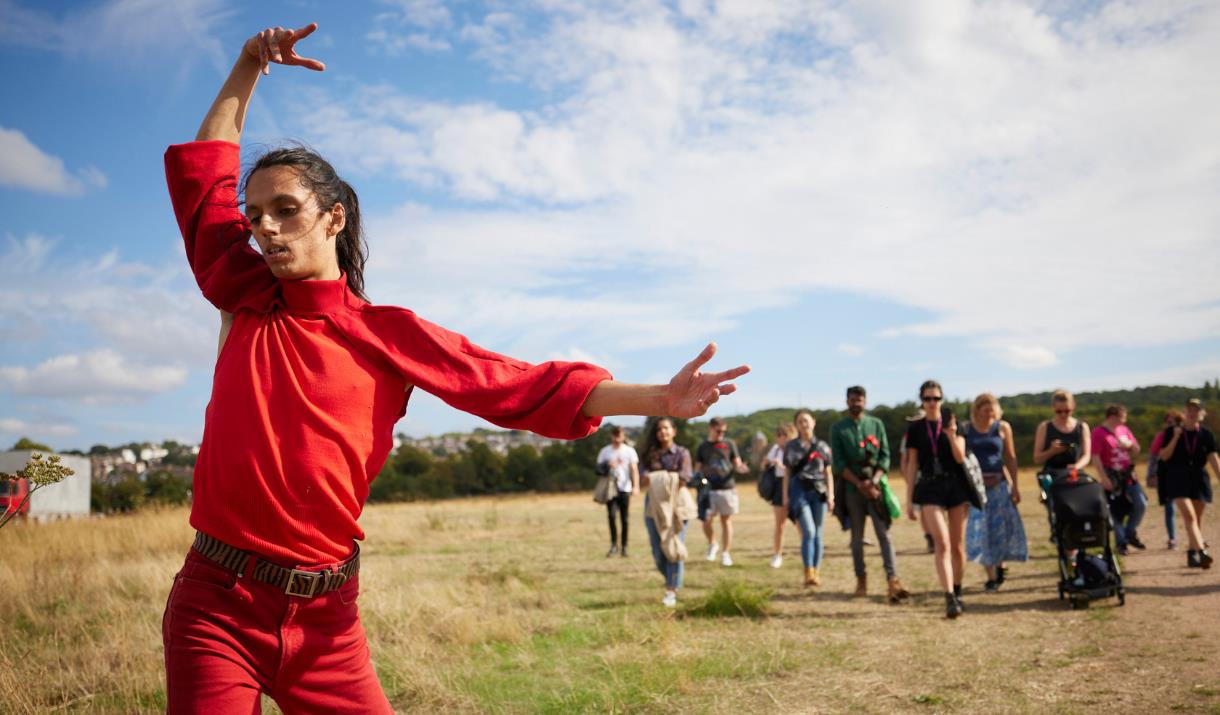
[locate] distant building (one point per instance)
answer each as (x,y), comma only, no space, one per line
(67,498)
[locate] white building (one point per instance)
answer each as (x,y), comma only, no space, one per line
(67,498)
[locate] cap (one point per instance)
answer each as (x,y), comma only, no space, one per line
(1194,402)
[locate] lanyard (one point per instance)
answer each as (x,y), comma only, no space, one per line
(934,439)
(1191,446)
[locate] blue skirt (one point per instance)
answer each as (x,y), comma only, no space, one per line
(995,533)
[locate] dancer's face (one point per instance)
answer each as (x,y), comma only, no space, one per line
(296,236)
(804,424)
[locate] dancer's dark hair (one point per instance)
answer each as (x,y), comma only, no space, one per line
(319,177)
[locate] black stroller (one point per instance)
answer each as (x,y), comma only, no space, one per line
(1079,515)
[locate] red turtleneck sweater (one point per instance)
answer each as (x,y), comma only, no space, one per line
(311,381)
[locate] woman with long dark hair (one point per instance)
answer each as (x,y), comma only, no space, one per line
(663,454)
(309,381)
(937,453)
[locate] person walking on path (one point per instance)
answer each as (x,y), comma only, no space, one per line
(779,497)
(310,380)
(1064,442)
(1114,450)
(1173,417)
(662,454)
(717,459)
(995,533)
(861,458)
(1187,452)
(808,490)
(624,468)
(937,453)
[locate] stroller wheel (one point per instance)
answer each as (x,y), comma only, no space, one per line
(1122,597)
(1080,602)
(1060,592)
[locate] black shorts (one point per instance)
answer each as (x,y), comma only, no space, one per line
(1184,485)
(947,491)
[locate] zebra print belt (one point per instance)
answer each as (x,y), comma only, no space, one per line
(294,582)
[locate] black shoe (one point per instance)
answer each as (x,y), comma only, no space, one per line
(1122,549)
(613,550)
(957,596)
(1135,541)
(1205,560)
(1192,559)
(953,607)
(1001,573)
(991,586)
(623,552)
(931,543)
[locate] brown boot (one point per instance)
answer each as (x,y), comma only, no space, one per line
(861,586)
(897,592)
(811,576)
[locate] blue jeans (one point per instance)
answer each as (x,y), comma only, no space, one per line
(671,570)
(809,519)
(1169,528)
(1123,533)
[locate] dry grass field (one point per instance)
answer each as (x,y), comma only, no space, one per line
(508,605)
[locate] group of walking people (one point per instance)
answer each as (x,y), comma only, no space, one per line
(964,521)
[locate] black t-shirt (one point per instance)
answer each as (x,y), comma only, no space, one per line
(717,460)
(919,437)
(806,465)
(1190,456)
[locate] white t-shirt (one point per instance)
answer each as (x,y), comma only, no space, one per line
(620,461)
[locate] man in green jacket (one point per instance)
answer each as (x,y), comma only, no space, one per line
(861,458)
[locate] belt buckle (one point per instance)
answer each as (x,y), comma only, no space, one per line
(311,578)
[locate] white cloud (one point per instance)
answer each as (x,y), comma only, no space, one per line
(411,25)
(1027,356)
(99,376)
(129,30)
(1013,174)
(25,166)
(849,349)
(36,430)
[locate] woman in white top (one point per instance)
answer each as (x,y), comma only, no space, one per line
(775,460)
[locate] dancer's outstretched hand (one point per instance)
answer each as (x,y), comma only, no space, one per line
(692,391)
(275,44)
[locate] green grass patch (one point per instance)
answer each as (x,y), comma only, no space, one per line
(732,599)
(1205,691)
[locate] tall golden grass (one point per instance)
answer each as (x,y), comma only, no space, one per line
(508,605)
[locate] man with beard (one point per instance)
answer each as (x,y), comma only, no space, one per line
(861,458)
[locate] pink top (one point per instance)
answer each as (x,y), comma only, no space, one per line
(1105,446)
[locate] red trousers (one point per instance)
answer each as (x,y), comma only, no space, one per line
(230,638)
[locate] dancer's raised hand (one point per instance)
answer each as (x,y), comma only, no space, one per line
(275,44)
(691,392)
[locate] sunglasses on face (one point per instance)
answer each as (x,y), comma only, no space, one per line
(932,398)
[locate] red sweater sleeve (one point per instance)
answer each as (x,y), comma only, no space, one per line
(544,398)
(202,179)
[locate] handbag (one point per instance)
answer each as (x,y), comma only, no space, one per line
(767,483)
(976,491)
(605,490)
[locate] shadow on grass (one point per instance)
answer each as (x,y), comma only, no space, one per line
(1201,589)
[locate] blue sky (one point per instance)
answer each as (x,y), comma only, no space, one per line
(1000,195)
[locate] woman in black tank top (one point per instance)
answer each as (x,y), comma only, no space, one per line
(1063,442)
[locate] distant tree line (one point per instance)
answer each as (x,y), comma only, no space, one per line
(412,474)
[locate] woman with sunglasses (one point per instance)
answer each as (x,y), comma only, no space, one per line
(936,453)
(1064,442)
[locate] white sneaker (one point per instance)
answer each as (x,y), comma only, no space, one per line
(712,549)
(670,600)
(726,560)
(777,561)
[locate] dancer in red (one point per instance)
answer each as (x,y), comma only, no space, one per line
(310,379)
